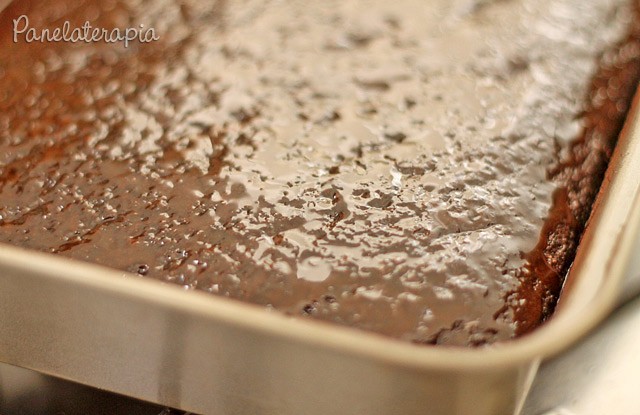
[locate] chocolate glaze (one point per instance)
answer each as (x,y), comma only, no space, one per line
(422,172)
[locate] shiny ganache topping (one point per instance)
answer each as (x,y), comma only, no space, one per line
(381,165)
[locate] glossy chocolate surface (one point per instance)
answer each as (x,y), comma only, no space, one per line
(422,170)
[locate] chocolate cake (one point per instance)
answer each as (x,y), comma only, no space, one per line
(421,170)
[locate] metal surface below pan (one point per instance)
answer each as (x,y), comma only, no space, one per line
(211,355)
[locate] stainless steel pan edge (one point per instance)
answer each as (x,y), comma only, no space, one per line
(215,356)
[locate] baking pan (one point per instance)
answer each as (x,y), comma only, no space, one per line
(212,355)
